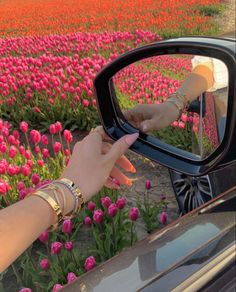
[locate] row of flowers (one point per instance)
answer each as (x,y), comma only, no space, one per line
(167,17)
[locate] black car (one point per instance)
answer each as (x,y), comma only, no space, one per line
(196,252)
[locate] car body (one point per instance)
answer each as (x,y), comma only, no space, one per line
(196,252)
(190,254)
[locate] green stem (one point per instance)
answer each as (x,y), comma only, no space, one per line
(30,259)
(131,236)
(18,277)
(114,237)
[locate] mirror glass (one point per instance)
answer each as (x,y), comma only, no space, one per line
(152,91)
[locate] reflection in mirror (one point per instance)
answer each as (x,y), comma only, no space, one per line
(178,99)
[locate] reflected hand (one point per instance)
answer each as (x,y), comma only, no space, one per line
(149,117)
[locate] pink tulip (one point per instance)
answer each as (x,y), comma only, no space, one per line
(121,202)
(22,150)
(181,125)
(58,127)
(106,201)
(57,287)
(112,210)
(44,140)
(57,147)
(85,103)
(67,226)
(35,178)
(20,185)
(52,129)
(25,290)
(44,264)
(44,237)
(4,187)
(27,154)
(163,217)
(3,147)
(71,277)
(22,194)
(40,163)
(56,247)
(148,184)
(24,127)
(69,245)
(11,140)
(25,170)
(98,216)
(133,214)
(91,205)
(89,263)
(88,221)
(35,136)
(68,136)
(45,153)
(11,169)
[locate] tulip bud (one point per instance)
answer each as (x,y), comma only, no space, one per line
(58,127)
(56,247)
(57,147)
(121,202)
(133,214)
(88,221)
(89,263)
(52,129)
(163,217)
(25,290)
(67,226)
(69,245)
(106,201)
(57,287)
(71,277)
(148,184)
(98,216)
(112,210)
(44,264)
(91,205)
(24,127)
(44,237)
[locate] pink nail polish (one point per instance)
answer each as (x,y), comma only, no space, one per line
(129,139)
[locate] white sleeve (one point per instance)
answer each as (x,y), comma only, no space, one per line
(220,71)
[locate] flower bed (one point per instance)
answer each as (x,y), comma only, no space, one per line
(168,18)
(108,223)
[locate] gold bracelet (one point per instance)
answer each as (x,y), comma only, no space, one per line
(53,204)
(56,190)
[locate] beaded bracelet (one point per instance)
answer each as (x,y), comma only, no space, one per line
(79,200)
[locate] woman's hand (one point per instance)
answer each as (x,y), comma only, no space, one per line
(149,117)
(92,164)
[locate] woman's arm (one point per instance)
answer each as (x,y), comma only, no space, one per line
(149,117)
(89,168)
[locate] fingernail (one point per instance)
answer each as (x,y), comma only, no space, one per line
(129,182)
(132,169)
(129,139)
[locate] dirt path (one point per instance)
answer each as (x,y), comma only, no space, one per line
(227,19)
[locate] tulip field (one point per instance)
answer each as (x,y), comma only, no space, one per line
(50,52)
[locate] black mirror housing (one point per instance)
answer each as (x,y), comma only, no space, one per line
(116,126)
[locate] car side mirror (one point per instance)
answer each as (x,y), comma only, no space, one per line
(201,139)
